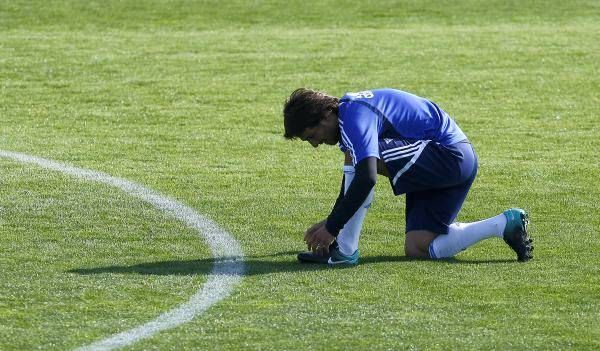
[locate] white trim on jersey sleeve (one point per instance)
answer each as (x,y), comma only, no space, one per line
(361,128)
(347,142)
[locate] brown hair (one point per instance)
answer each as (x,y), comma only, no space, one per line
(305,108)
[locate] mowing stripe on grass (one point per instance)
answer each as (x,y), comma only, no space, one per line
(228,256)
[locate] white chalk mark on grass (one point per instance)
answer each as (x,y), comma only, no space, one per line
(228,256)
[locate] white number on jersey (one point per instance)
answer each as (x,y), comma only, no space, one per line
(367,94)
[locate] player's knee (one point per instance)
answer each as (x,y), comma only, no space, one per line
(412,249)
(417,243)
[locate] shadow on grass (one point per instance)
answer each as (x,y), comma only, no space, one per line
(255,265)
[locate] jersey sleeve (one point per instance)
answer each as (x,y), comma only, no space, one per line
(359,132)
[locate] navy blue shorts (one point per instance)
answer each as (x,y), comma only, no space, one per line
(435,178)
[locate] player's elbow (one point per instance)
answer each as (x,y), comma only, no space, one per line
(370,181)
(366,173)
(373,179)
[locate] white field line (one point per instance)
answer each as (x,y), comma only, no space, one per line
(228,256)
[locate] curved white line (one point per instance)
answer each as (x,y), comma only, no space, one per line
(228,256)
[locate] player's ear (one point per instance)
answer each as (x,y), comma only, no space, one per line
(329,117)
(326,117)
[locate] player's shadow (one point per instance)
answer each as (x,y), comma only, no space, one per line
(254,265)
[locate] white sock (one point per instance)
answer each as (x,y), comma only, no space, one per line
(348,237)
(463,235)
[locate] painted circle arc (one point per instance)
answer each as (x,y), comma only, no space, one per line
(228,267)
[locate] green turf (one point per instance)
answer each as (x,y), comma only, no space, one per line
(185,98)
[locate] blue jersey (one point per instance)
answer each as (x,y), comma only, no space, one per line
(369,116)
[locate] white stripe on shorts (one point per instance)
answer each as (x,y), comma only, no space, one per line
(401,148)
(411,162)
(399,156)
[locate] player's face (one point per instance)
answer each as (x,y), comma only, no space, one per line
(326,132)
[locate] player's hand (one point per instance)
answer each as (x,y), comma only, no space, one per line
(318,239)
(310,231)
(314,227)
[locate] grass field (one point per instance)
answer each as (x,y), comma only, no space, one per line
(185,98)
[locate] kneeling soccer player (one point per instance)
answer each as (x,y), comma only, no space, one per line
(424,154)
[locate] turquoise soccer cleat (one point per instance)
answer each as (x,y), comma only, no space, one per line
(337,258)
(310,257)
(515,233)
(334,258)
